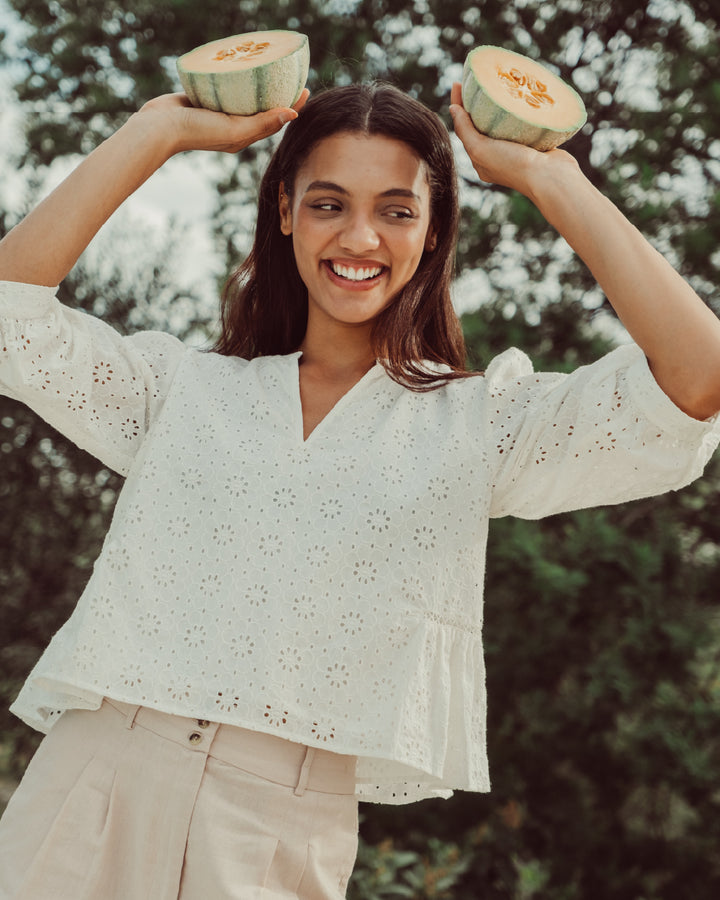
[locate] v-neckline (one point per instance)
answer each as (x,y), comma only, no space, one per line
(334,410)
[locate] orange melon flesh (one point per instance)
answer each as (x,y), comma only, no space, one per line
(246,73)
(243,51)
(512,97)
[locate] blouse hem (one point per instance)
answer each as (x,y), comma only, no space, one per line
(405,787)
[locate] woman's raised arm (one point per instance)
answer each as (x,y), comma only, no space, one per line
(46,244)
(679,334)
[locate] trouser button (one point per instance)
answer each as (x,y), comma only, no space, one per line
(203,723)
(195,737)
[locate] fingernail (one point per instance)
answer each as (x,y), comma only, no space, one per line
(287,116)
(454,108)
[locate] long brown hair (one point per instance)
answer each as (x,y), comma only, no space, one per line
(265,305)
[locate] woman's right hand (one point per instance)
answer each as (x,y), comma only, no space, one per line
(191,128)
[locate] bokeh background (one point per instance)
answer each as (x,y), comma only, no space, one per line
(602,627)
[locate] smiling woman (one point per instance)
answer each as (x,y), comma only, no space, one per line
(359,243)
(286,616)
(363,182)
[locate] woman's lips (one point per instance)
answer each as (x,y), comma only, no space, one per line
(356,275)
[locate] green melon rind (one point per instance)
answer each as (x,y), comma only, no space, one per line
(492,119)
(245,92)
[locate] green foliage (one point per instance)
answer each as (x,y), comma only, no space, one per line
(560,339)
(384,873)
(648,73)
(602,631)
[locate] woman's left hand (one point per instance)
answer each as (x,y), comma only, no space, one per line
(506,163)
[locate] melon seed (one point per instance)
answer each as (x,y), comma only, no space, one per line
(248,50)
(525,87)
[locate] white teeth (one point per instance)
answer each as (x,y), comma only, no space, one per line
(356,274)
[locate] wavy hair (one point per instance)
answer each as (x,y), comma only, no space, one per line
(265,305)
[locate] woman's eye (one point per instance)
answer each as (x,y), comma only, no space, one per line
(401,214)
(326,206)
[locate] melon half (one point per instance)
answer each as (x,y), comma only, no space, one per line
(246,73)
(513,98)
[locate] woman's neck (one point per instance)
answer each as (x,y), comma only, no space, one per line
(342,353)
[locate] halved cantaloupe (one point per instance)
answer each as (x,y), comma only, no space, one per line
(246,73)
(514,98)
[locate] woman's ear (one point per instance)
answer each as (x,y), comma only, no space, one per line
(431,239)
(285,210)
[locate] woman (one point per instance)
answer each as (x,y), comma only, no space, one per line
(286,615)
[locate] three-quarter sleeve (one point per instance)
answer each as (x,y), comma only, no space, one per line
(604,434)
(100,389)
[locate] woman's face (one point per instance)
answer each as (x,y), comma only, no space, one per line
(359,216)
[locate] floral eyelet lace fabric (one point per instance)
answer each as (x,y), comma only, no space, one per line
(328,591)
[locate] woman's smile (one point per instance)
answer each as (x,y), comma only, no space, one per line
(356,275)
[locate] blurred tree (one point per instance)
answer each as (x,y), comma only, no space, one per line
(648,70)
(602,635)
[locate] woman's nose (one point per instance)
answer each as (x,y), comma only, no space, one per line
(359,236)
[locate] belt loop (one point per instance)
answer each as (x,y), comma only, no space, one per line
(130,717)
(305,772)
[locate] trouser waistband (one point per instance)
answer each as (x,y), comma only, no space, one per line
(265,755)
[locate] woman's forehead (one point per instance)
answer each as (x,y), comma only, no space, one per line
(355,161)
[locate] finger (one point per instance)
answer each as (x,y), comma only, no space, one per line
(272,120)
(264,124)
(302,99)
(463,124)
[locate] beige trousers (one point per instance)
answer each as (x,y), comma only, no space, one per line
(127,803)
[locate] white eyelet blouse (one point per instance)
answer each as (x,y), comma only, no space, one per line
(328,591)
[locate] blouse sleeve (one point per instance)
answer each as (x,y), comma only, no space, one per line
(100,389)
(603,434)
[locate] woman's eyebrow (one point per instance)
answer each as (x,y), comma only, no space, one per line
(400,192)
(325,186)
(336,188)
